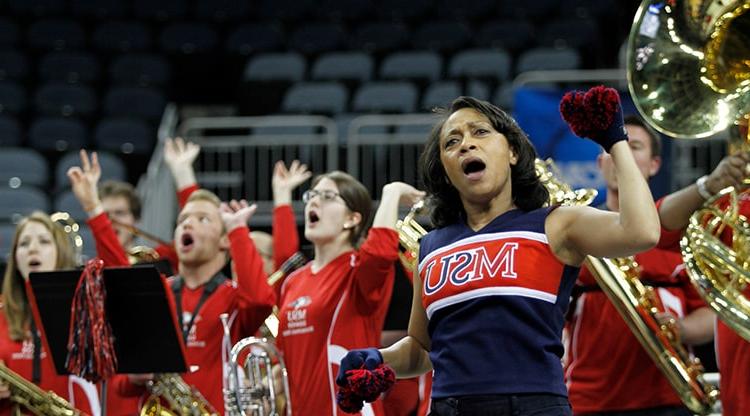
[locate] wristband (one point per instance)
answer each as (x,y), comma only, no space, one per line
(702,189)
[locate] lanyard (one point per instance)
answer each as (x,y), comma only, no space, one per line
(36,363)
(208,289)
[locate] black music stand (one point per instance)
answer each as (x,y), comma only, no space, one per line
(139,307)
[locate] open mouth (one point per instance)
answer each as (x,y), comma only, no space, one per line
(473,167)
(187,241)
(35,263)
(312,217)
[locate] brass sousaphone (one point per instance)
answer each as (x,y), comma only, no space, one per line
(689,76)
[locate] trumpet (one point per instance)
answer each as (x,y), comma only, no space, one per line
(409,233)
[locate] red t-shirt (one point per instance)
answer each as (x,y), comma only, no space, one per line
(607,367)
(323,315)
(18,356)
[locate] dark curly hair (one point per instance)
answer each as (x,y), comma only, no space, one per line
(443,198)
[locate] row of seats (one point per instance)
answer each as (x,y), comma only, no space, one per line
(310,38)
(292,10)
(61,99)
(60,134)
(25,168)
(136,69)
(488,64)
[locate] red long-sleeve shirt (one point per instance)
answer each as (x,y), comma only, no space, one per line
(18,356)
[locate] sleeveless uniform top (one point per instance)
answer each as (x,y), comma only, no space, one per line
(495,300)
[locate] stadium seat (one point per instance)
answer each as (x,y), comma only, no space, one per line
(418,65)
(13,65)
(56,34)
(10,131)
(9,32)
(15,203)
(221,10)
(188,38)
(12,98)
(20,166)
(512,35)
(162,10)
(99,10)
(66,201)
(119,36)
(316,98)
(142,70)
(344,66)
(440,94)
(443,36)
(70,67)
(385,97)
(379,38)
(57,134)
(134,102)
(289,66)
(316,38)
(253,38)
(59,99)
(125,136)
(494,65)
(344,10)
(548,59)
(36,8)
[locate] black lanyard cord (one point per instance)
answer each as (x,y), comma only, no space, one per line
(208,289)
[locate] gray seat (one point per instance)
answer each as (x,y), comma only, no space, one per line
(21,167)
(385,97)
(288,66)
(13,65)
(15,203)
(316,98)
(481,63)
(252,38)
(99,10)
(512,35)
(36,7)
(421,65)
(162,10)
(379,38)
(7,231)
(316,38)
(70,67)
(444,36)
(221,10)
(344,66)
(10,131)
(140,69)
(59,99)
(12,98)
(124,135)
(120,36)
(548,59)
(187,38)
(139,102)
(57,134)
(56,34)
(66,201)
(112,168)
(575,33)
(440,94)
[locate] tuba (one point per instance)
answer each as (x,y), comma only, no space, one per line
(689,75)
(638,306)
(251,367)
(33,399)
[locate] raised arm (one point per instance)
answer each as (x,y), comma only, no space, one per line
(179,156)
(256,298)
(676,208)
(578,231)
(380,250)
(283,183)
(84,181)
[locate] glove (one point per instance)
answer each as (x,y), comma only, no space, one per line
(370,358)
(595,114)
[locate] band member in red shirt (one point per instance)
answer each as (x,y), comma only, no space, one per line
(39,245)
(207,232)
(338,301)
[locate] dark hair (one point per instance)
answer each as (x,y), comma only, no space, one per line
(356,197)
(113,189)
(443,198)
(653,135)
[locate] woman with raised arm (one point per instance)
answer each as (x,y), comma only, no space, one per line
(337,301)
(495,276)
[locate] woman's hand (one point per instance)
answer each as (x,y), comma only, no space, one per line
(407,194)
(285,180)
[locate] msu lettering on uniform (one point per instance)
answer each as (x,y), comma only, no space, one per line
(491,264)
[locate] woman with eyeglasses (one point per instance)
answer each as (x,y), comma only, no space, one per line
(338,301)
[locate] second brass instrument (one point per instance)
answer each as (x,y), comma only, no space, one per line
(181,399)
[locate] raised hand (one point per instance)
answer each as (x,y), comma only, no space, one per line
(179,156)
(235,213)
(84,180)
(408,195)
(285,180)
(595,114)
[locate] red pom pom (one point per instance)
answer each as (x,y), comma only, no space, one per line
(601,104)
(348,401)
(573,112)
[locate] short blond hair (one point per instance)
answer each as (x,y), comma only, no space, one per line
(204,195)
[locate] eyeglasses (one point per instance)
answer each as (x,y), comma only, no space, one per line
(325,195)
